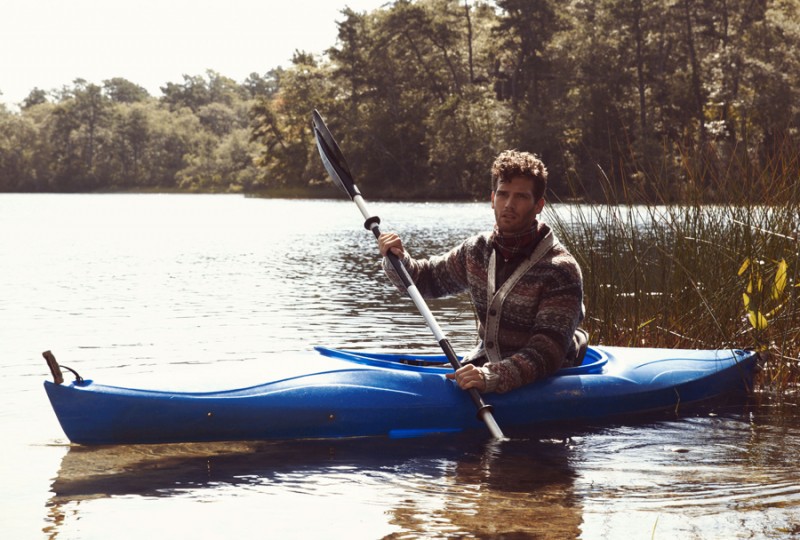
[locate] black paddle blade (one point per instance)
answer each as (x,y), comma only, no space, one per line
(324,152)
(330,142)
(332,157)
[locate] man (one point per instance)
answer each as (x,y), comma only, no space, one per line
(526,288)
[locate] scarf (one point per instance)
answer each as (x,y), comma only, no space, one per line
(511,244)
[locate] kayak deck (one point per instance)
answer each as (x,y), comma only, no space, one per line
(396,395)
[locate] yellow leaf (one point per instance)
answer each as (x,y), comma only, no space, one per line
(745,266)
(750,285)
(757,320)
(780,279)
(746,300)
(645,323)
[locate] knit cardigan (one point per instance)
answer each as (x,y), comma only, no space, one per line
(526,327)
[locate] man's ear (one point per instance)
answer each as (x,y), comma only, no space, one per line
(492,200)
(540,205)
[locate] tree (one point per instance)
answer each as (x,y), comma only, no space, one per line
(176,139)
(526,75)
(402,68)
(18,140)
(35,97)
(228,166)
(267,86)
(76,130)
(768,97)
(126,165)
(463,139)
(218,118)
(281,125)
(120,90)
(349,58)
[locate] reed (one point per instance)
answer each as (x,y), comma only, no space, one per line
(715,266)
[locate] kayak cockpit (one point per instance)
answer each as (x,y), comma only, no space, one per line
(593,361)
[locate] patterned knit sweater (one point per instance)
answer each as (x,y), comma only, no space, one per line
(527,325)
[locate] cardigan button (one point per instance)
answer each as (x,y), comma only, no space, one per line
(490,345)
(492,312)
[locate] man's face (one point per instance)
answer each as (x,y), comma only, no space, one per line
(514,205)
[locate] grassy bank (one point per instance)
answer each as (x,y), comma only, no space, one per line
(695,275)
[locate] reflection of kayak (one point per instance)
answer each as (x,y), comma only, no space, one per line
(363,394)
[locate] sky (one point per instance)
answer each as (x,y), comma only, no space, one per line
(47,44)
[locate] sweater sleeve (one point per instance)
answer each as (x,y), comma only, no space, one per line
(443,275)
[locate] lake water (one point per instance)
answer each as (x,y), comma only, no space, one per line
(205,289)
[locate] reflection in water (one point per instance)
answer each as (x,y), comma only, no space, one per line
(705,476)
(440,487)
(518,488)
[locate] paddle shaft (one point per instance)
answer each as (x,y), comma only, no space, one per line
(484,411)
(336,165)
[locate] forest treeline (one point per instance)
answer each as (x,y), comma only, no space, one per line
(650,99)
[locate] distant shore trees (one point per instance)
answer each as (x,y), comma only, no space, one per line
(624,99)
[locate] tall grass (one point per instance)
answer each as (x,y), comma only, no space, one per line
(715,268)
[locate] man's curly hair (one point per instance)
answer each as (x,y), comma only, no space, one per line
(512,163)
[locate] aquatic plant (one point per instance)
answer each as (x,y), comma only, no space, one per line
(714,270)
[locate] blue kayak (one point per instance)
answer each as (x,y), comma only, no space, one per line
(360,394)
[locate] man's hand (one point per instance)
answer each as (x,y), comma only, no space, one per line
(390,241)
(469,376)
